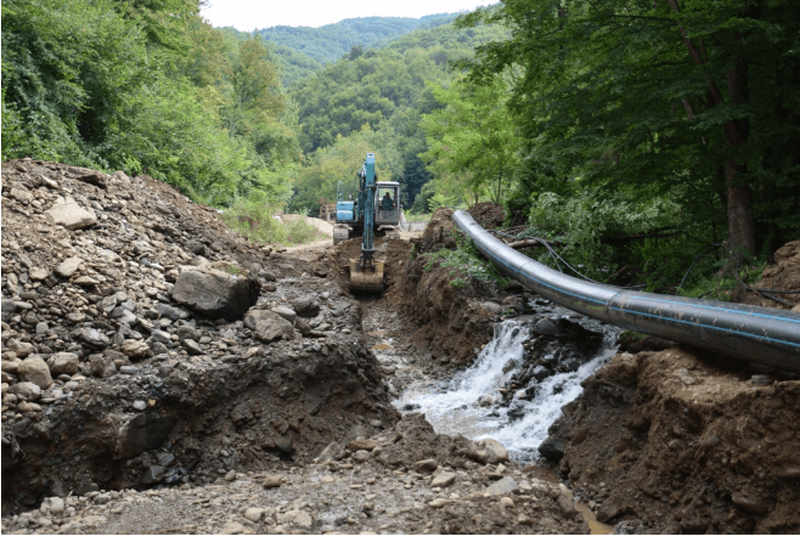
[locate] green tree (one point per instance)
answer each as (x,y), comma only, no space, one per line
(699,99)
(256,95)
(474,138)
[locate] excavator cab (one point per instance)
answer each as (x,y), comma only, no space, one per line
(387,212)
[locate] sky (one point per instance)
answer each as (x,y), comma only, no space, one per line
(249,15)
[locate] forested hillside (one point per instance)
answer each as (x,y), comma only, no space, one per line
(329,43)
(146,87)
(654,143)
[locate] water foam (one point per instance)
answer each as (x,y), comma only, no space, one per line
(467,404)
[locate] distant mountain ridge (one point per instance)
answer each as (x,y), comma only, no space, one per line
(330,42)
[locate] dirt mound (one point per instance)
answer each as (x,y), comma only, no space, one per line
(780,281)
(680,441)
(109,383)
(488,215)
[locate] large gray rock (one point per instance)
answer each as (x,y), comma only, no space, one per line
(34,369)
(216,293)
(306,306)
(503,487)
(70,214)
(64,363)
(268,325)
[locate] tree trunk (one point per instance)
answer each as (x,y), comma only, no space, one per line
(741,228)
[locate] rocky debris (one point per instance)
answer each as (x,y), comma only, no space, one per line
(678,441)
(349,495)
(116,373)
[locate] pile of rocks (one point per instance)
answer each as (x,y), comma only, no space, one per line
(143,341)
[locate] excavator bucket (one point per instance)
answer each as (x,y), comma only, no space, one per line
(366,279)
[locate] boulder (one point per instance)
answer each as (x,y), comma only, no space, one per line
(215,293)
(34,369)
(68,213)
(64,363)
(306,306)
(268,325)
(488,451)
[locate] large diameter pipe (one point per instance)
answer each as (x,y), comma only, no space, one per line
(766,336)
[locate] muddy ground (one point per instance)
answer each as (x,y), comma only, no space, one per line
(154,418)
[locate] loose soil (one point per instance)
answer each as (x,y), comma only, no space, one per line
(207,429)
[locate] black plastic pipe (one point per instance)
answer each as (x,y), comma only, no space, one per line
(766,336)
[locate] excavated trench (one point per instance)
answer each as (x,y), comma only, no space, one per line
(161,399)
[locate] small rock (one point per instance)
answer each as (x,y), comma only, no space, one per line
(139,405)
(128,369)
(505,486)
(233,528)
(134,349)
(272,481)
(64,363)
(333,452)
(444,479)
(438,503)
(68,267)
(506,503)
(253,514)
(34,369)
(38,274)
(192,347)
(427,464)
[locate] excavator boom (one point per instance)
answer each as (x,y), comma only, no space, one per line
(366,273)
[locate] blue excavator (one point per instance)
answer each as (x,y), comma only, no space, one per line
(376,208)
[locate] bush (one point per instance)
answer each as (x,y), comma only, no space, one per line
(467,266)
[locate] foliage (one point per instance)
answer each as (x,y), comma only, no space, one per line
(330,42)
(255,220)
(694,101)
(467,266)
(145,87)
(473,140)
(720,282)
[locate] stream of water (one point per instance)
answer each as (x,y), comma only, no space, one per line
(468,403)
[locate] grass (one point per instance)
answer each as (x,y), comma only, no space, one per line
(256,222)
